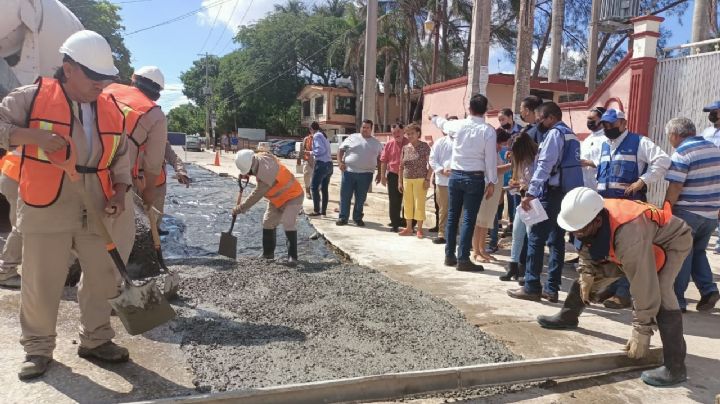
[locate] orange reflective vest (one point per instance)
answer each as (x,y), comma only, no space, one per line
(307,147)
(623,211)
(40,180)
(11,166)
(133,104)
(286,188)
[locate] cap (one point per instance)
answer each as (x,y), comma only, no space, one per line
(712,107)
(612,116)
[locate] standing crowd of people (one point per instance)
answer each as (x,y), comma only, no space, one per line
(630,253)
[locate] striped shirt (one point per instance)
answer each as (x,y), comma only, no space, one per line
(696,165)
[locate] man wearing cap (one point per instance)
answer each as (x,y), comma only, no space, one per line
(146,128)
(712,134)
(628,163)
(648,246)
(45,118)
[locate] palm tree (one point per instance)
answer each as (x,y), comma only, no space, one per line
(526,23)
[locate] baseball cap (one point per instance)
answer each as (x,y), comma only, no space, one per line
(612,116)
(712,107)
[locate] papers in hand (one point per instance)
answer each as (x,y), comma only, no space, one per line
(535,215)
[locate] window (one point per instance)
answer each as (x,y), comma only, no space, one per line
(571,97)
(306,109)
(345,105)
(545,95)
(319,105)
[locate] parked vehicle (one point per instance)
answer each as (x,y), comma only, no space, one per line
(286,149)
(193,142)
(335,142)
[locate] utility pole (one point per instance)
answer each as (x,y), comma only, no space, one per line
(369,78)
(436,45)
(700,21)
(558,23)
(526,23)
(591,78)
(207,91)
(478,69)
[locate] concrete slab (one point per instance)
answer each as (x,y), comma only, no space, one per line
(482,298)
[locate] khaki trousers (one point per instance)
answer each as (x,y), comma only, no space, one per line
(441,192)
(286,215)
(123,229)
(12,251)
(308,168)
(45,258)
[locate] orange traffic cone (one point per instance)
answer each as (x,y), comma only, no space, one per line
(217,159)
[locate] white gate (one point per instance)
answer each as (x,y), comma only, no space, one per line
(682,87)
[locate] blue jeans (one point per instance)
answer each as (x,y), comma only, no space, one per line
(696,264)
(465,190)
(357,184)
(321,182)
(621,288)
(519,241)
(539,234)
(513,203)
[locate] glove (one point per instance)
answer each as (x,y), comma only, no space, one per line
(586,283)
(638,345)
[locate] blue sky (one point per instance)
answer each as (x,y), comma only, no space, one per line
(173,47)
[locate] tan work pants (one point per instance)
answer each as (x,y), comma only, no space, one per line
(286,215)
(308,168)
(123,229)
(12,251)
(45,258)
(160,202)
(441,192)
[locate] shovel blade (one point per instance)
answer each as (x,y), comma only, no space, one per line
(142,308)
(171,285)
(228,245)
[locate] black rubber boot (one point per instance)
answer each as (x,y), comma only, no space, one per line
(673,370)
(521,274)
(292,247)
(268,242)
(567,318)
(513,269)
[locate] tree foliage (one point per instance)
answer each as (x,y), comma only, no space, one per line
(186,118)
(102,17)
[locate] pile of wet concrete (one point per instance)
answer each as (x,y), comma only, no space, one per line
(252,322)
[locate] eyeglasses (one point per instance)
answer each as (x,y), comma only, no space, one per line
(97,77)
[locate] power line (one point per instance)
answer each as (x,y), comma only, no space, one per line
(178,18)
(242,19)
(232,14)
(212,27)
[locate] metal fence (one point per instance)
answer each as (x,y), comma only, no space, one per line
(682,87)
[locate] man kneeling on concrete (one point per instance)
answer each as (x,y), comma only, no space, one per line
(285,196)
(648,246)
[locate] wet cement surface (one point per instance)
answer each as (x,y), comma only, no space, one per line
(252,322)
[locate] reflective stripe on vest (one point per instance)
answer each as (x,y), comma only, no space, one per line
(133,104)
(623,211)
(619,169)
(41,181)
(285,188)
(11,166)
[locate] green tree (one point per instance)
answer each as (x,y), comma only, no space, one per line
(186,118)
(102,17)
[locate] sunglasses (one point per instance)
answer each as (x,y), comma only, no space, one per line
(94,76)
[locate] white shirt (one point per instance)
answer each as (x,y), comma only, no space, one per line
(474,147)
(440,158)
(649,155)
(590,149)
(88,121)
(712,134)
(361,153)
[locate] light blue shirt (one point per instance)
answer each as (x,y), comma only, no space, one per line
(546,160)
(321,148)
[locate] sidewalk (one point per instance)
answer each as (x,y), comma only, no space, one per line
(482,298)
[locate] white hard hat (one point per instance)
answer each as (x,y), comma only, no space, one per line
(153,74)
(91,50)
(578,208)
(243,160)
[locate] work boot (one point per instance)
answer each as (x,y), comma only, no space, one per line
(292,247)
(523,295)
(9,278)
(671,333)
(469,266)
(567,317)
(107,352)
(617,302)
(33,366)
(708,302)
(511,273)
(521,274)
(450,261)
(268,243)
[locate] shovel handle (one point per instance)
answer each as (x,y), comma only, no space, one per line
(232,224)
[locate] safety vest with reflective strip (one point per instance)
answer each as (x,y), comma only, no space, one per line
(133,104)
(623,211)
(286,188)
(40,180)
(11,165)
(307,146)
(619,169)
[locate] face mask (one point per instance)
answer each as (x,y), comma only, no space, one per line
(541,127)
(507,126)
(592,125)
(612,133)
(713,117)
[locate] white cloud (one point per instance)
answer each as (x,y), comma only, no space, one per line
(249,9)
(172,97)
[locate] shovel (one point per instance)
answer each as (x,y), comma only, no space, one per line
(228,242)
(140,308)
(171,283)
